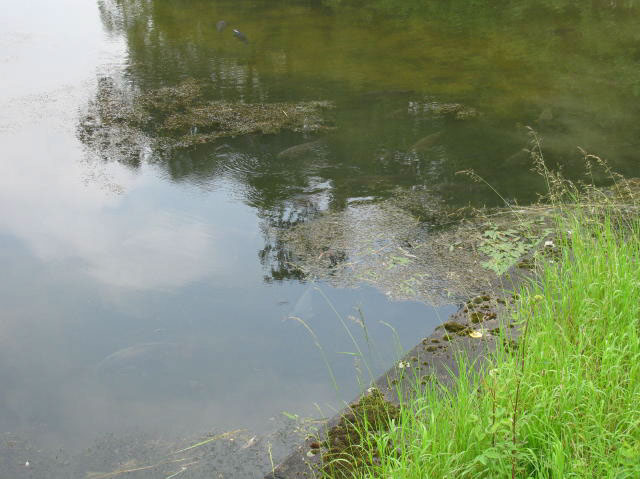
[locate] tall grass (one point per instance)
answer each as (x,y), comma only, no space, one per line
(565,403)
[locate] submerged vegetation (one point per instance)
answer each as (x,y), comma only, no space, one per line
(413,246)
(561,401)
(181,116)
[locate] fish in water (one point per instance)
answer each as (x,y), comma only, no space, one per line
(221,25)
(303,309)
(520,159)
(139,358)
(545,116)
(427,142)
(302,149)
(240,36)
(145,369)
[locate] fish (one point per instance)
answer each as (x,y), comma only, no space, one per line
(221,25)
(301,149)
(240,36)
(140,359)
(303,309)
(425,143)
(546,115)
(521,159)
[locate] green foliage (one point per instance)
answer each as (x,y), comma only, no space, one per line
(565,403)
(505,247)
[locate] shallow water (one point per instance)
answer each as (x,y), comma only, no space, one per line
(146,294)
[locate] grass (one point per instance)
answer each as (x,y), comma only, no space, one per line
(565,403)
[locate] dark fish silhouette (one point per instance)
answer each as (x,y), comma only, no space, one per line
(221,25)
(302,149)
(425,143)
(240,36)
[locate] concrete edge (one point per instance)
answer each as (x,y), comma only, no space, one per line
(433,357)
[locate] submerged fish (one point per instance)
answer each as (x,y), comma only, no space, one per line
(427,142)
(301,149)
(546,115)
(520,158)
(142,359)
(221,25)
(303,309)
(145,370)
(240,36)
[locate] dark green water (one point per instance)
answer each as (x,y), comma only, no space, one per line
(144,294)
(567,69)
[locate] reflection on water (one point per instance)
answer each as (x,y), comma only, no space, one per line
(145,290)
(563,69)
(136,305)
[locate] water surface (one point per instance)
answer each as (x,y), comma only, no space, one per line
(146,294)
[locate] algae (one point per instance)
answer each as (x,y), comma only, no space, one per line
(346,449)
(429,106)
(206,123)
(181,116)
(412,246)
(453,327)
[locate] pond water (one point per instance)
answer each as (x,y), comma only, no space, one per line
(144,293)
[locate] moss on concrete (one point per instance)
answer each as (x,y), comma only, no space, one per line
(346,449)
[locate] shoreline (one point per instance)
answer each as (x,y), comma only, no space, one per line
(433,357)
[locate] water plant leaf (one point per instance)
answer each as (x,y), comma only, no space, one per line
(288,415)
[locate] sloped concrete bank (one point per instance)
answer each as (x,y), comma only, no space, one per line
(472,331)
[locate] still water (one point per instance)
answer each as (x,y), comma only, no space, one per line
(144,294)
